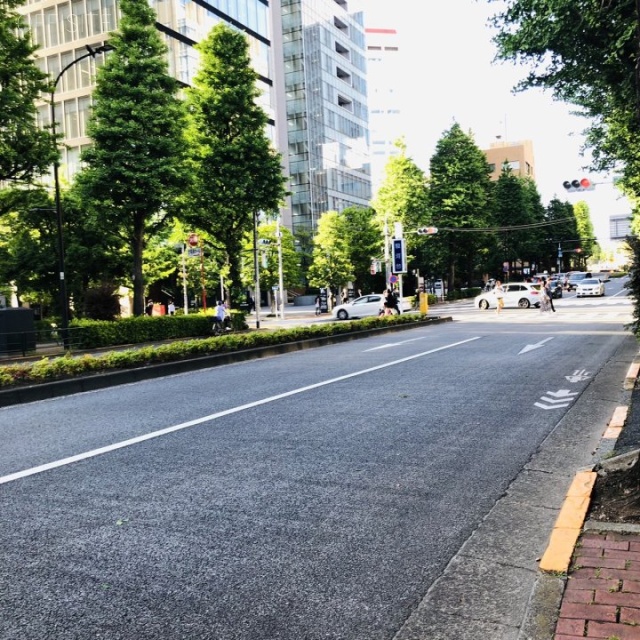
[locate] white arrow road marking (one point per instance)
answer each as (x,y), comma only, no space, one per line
(562,398)
(579,375)
(531,347)
(563,393)
(393,344)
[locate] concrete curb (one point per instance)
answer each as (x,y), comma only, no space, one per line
(92,382)
(571,518)
(546,598)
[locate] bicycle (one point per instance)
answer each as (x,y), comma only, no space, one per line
(221,327)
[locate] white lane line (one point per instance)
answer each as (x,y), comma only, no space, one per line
(393,344)
(214,416)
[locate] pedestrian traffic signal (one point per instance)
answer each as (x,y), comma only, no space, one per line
(584,184)
(426,231)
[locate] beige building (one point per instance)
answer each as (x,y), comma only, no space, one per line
(518,155)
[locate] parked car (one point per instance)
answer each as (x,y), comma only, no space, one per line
(516,294)
(575,278)
(590,287)
(364,306)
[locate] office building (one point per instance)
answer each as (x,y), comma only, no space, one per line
(517,155)
(326,107)
(64,28)
(384,68)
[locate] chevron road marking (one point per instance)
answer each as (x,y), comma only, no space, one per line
(562,398)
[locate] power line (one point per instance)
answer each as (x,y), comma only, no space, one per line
(514,228)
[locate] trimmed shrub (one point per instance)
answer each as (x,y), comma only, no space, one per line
(67,366)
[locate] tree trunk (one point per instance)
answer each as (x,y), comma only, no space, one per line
(138,276)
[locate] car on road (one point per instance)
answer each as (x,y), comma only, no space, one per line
(364,306)
(555,284)
(575,278)
(590,287)
(557,287)
(516,294)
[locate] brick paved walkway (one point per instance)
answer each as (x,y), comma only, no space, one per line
(602,595)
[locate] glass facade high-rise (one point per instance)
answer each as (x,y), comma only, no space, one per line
(326,108)
(63,28)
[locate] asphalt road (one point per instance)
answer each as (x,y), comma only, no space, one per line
(400,486)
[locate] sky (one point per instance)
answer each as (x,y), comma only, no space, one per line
(451,77)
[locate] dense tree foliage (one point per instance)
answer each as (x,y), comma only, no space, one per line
(134,168)
(364,243)
(235,170)
(269,258)
(25,150)
(459,196)
(332,266)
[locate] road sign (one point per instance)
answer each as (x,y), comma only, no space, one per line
(393,279)
(193,252)
(399,256)
(193,239)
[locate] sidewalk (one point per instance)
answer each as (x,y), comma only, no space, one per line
(601,598)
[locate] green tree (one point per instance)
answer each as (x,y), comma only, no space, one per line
(364,242)
(402,197)
(25,150)
(538,237)
(269,262)
(235,170)
(134,168)
(459,195)
(586,53)
(28,249)
(331,265)
(585,230)
(516,203)
(563,233)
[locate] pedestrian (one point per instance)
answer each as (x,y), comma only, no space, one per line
(171,308)
(546,285)
(149,307)
(498,291)
(345,296)
(250,302)
(390,303)
(545,299)
(317,303)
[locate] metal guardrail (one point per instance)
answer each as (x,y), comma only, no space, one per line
(22,344)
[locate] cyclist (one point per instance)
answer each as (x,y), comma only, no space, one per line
(220,318)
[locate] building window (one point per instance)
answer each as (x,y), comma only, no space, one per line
(345,103)
(343,75)
(342,50)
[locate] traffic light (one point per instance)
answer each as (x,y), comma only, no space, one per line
(426,231)
(583,184)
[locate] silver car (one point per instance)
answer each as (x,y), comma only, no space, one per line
(590,287)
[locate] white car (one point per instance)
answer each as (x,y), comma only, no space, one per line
(590,287)
(365,306)
(516,294)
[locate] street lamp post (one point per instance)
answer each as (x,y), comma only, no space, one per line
(64,306)
(256,267)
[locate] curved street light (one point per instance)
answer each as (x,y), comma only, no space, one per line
(64,306)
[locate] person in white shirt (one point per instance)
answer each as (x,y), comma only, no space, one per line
(499,293)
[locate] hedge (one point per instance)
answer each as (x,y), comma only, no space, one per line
(48,369)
